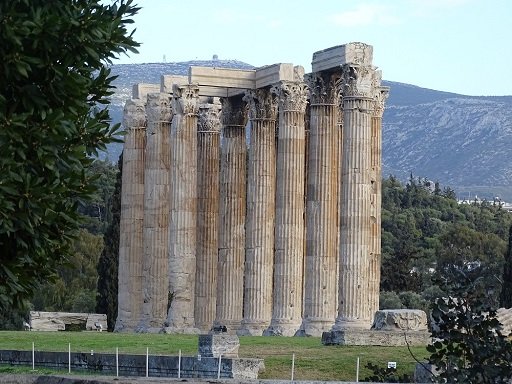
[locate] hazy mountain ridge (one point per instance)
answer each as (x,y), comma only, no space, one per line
(462,141)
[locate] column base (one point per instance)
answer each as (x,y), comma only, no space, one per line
(252,328)
(279,328)
(314,327)
(181,330)
(348,323)
(125,326)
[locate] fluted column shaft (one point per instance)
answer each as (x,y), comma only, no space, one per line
(259,252)
(233,161)
(156,212)
(289,225)
(376,198)
(183,210)
(321,204)
(353,308)
(132,216)
(208,151)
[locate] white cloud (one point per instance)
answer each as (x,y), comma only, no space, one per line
(365,15)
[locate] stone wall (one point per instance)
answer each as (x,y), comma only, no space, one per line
(62,321)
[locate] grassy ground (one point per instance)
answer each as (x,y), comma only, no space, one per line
(313,361)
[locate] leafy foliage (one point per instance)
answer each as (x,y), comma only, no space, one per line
(469,346)
(425,230)
(385,375)
(506,290)
(53,75)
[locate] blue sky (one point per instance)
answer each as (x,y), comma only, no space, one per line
(461,46)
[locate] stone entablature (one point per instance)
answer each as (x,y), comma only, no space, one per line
(276,235)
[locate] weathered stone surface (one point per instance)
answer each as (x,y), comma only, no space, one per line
(141,90)
(334,57)
(215,345)
(57,321)
(356,242)
(400,320)
(504,316)
(155,235)
(183,210)
(261,184)
(130,295)
(232,215)
(321,207)
(208,162)
(354,336)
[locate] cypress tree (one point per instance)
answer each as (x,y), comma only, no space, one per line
(106,300)
(506,287)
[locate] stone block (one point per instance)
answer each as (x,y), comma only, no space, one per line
(378,338)
(400,320)
(222,77)
(168,81)
(215,345)
(272,74)
(335,57)
(141,90)
(62,321)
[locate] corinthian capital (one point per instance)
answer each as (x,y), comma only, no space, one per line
(234,111)
(134,115)
(324,88)
(358,80)
(158,107)
(209,117)
(186,99)
(262,104)
(380,100)
(292,95)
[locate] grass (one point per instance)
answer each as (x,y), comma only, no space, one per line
(313,361)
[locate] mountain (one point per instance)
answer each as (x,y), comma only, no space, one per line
(461,141)
(464,142)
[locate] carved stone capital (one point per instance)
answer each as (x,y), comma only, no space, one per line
(234,111)
(292,95)
(324,88)
(134,115)
(262,104)
(381,96)
(209,117)
(158,107)
(186,99)
(359,81)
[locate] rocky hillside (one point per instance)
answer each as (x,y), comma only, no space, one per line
(461,141)
(464,142)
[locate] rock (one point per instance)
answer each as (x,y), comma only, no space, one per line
(400,320)
(218,344)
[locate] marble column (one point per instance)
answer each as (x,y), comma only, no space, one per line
(208,163)
(132,216)
(183,210)
(289,221)
(156,213)
(261,181)
(376,196)
(353,296)
(233,177)
(321,205)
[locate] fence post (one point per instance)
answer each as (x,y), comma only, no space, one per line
(117,361)
(293,365)
(69,358)
(33,357)
(218,369)
(357,370)
(147,362)
(179,364)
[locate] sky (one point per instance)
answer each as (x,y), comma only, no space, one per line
(461,46)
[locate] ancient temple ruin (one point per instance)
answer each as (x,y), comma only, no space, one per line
(251,199)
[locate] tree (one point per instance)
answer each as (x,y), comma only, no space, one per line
(469,346)
(106,299)
(506,287)
(53,77)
